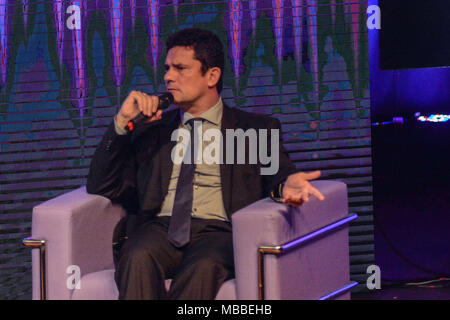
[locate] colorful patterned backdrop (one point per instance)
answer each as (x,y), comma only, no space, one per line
(67,65)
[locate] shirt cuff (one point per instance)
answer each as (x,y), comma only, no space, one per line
(119,130)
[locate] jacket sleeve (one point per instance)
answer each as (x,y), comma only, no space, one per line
(112,171)
(286,167)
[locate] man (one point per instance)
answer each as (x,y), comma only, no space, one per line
(179,215)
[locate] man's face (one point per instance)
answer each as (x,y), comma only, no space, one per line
(183,76)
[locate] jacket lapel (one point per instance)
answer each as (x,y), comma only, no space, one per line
(166,163)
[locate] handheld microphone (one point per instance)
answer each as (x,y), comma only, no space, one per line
(165,100)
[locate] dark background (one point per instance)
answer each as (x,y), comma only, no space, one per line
(415,33)
(411,161)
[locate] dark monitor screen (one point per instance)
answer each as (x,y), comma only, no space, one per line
(414,34)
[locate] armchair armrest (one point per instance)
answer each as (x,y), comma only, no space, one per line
(309,272)
(77,228)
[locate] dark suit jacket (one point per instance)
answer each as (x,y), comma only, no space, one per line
(134,170)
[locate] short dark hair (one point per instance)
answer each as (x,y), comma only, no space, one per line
(208,48)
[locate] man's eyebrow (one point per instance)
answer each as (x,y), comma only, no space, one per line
(175,65)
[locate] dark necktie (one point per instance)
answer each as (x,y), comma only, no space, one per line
(180,222)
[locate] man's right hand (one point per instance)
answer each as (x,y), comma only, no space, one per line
(135,103)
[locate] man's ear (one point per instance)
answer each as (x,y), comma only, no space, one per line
(213,75)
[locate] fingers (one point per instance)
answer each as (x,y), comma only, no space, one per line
(151,104)
(137,102)
(301,196)
(148,105)
(317,194)
(293,203)
(156,116)
(145,103)
(297,198)
(312,175)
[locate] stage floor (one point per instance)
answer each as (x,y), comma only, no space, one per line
(434,291)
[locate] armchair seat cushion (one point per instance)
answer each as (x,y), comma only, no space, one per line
(100,285)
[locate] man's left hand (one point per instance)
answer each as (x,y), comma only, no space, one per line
(297,188)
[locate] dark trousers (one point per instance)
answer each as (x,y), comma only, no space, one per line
(197,270)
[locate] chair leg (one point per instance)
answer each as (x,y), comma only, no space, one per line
(39,244)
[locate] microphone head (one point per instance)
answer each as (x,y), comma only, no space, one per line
(165,100)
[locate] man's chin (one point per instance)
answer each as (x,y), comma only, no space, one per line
(176,99)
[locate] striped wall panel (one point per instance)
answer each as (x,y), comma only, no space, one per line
(302,61)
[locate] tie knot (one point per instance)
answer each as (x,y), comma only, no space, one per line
(193,120)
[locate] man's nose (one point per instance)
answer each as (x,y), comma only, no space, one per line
(168,76)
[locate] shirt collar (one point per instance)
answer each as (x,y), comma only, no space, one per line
(213,115)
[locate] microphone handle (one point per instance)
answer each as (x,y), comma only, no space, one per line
(138,119)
